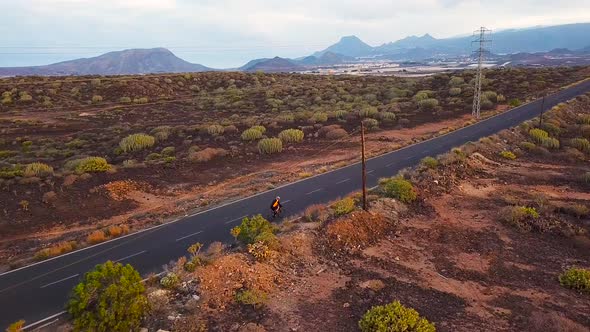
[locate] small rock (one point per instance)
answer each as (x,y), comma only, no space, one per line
(172,318)
(397,258)
(346,305)
(196,297)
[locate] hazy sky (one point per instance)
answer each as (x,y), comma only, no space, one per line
(227,33)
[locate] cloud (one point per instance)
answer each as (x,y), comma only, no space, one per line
(225,33)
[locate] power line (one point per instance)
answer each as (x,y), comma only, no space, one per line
(482,38)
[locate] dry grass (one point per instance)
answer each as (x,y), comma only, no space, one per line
(96,237)
(56,250)
(356,231)
(207,154)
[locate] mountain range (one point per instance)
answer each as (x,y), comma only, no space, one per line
(536,40)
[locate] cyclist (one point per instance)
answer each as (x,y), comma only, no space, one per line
(276,206)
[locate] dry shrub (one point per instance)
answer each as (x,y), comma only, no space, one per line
(336,133)
(118,190)
(49,197)
(116,231)
(207,154)
(96,237)
(220,280)
(357,231)
(56,250)
(326,129)
(316,213)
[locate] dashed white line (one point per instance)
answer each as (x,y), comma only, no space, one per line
(230,221)
(187,236)
(345,180)
(315,191)
(287,201)
(426,151)
(64,279)
(389,164)
(408,158)
(371,171)
(126,257)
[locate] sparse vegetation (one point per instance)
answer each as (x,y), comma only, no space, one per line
(399,188)
(38,170)
(291,136)
(508,155)
(88,165)
(429,162)
(270,145)
(255,229)
(394,317)
(137,142)
(576,278)
(56,250)
(343,206)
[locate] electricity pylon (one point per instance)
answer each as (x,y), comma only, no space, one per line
(482,38)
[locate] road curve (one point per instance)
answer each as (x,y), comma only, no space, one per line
(40,290)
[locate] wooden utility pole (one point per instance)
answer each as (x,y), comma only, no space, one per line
(364,167)
(542,110)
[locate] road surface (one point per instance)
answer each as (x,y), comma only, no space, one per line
(39,291)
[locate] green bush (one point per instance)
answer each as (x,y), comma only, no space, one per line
(343,206)
(38,170)
(9,172)
(291,135)
(261,129)
(429,162)
(490,95)
(421,95)
(7,154)
(137,142)
(319,117)
(125,100)
(428,104)
(399,188)
(96,99)
(169,151)
(538,135)
(576,278)
(514,102)
(368,112)
(215,130)
(454,91)
(88,165)
(387,117)
(370,123)
(528,146)
(550,143)
(507,155)
(255,229)
(251,134)
(25,97)
(581,144)
(270,145)
(142,100)
(170,281)
(251,297)
(394,317)
(109,298)
(456,81)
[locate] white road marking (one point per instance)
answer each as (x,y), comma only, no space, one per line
(426,151)
(187,236)
(408,158)
(64,279)
(136,254)
(315,191)
(389,164)
(287,201)
(345,180)
(230,221)
(43,320)
(371,171)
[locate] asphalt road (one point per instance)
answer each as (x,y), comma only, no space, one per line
(40,290)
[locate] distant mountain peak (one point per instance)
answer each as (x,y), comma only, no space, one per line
(348,46)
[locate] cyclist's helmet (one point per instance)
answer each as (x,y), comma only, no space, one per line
(278,198)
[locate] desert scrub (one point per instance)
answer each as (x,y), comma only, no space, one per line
(521,217)
(250,297)
(550,143)
(585,178)
(507,155)
(319,117)
(291,135)
(110,290)
(399,188)
(454,91)
(428,104)
(215,130)
(259,250)
(96,99)
(538,135)
(261,129)
(368,112)
(56,250)
(38,170)
(370,123)
(429,162)
(527,146)
(125,100)
(207,154)
(394,317)
(343,206)
(137,142)
(576,278)
(316,213)
(88,165)
(270,145)
(251,134)
(581,144)
(170,281)
(387,117)
(255,229)
(95,237)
